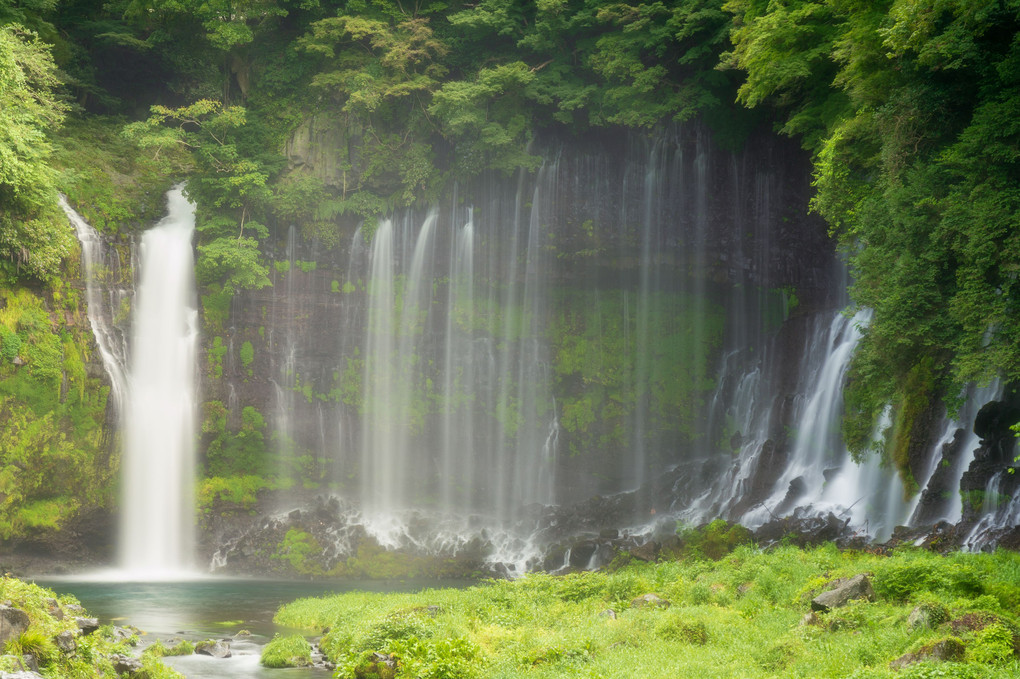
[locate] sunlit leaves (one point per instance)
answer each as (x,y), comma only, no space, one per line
(33,235)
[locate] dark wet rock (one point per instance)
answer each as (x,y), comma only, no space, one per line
(843,592)
(66,642)
(213,647)
(939,494)
(803,531)
(13,621)
(649,601)
(944,650)
(377,666)
(648,551)
(87,625)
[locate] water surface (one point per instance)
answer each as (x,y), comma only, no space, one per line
(210,608)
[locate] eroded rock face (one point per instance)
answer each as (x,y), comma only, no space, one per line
(845,591)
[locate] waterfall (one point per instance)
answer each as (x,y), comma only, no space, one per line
(158,467)
(102,305)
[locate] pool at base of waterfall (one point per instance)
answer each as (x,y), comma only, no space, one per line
(237,610)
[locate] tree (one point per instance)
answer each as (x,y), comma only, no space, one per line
(34,236)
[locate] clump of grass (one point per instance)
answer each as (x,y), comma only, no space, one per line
(288,651)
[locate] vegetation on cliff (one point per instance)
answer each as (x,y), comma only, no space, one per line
(908,107)
(745,615)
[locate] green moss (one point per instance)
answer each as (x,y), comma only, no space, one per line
(247,355)
(110,181)
(214,357)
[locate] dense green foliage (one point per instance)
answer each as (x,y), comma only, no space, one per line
(53,456)
(911,109)
(740,616)
(91,658)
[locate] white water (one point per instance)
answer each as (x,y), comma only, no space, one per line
(102,304)
(158,465)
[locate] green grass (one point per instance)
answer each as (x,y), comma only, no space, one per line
(739,617)
(91,658)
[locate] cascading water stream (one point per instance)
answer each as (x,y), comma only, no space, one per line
(102,305)
(158,468)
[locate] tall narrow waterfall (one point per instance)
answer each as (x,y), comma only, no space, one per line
(158,468)
(103,303)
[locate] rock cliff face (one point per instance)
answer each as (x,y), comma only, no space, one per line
(535,338)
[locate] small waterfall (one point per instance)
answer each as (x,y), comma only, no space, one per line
(103,304)
(998,512)
(158,468)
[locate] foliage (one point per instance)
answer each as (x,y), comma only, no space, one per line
(909,111)
(34,236)
(53,453)
(287,651)
(713,541)
(228,451)
(735,617)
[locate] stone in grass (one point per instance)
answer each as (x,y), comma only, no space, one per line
(376,666)
(20,675)
(87,625)
(125,664)
(845,591)
(927,615)
(66,642)
(944,650)
(214,648)
(13,621)
(649,601)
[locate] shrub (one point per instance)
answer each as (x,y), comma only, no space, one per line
(993,644)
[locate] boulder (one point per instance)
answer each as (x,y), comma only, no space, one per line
(649,601)
(87,625)
(20,675)
(214,648)
(857,587)
(646,552)
(946,649)
(66,642)
(609,614)
(126,664)
(927,616)
(53,608)
(13,621)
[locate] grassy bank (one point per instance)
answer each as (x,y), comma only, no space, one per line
(741,616)
(55,634)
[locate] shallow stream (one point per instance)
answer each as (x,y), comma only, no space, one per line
(209,608)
